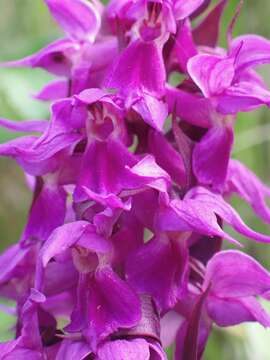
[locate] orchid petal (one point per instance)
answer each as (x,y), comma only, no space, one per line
(234,311)
(78,18)
(136,349)
(183,9)
(157,269)
(252,279)
(211,156)
(212,74)
(255,50)
(55,90)
(73,349)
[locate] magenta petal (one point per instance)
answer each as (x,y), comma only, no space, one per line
(170,324)
(216,204)
(192,215)
(212,74)
(10,259)
(167,157)
(73,350)
(211,156)
(55,58)
(61,239)
(104,169)
(255,50)
(136,349)
(108,200)
(183,8)
(20,150)
(90,96)
(198,212)
(139,68)
(17,147)
(78,18)
(112,304)
(55,90)
(247,185)
(233,311)
(221,270)
(153,111)
(150,174)
(43,218)
(25,346)
(184,46)
(194,109)
(59,277)
(39,155)
(231,103)
(24,126)
(159,268)
(110,170)
(65,236)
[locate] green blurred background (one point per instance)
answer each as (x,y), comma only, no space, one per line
(25,27)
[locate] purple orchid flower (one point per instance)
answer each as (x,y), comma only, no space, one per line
(222,299)
(142,93)
(95,284)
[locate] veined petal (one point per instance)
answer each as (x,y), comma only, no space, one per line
(184,45)
(39,155)
(212,74)
(25,346)
(153,111)
(109,170)
(55,90)
(183,8)
(136,349)
(255,50)
(79,232)
(192,108)
(62,239)
(104,169)
(211,156)
(243,96)
(151,174)
(217,205)
(43,218)
(234,311)
(139,68)
(192,215)
(158,268)
(90,96)
(55,58)
(11,259)
(167,157)
(234,274)
(112,304)
(73,350)
(78,18)
(24,126)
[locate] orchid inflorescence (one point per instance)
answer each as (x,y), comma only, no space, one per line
(121,255)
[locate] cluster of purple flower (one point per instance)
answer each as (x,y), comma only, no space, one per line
(121,254)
